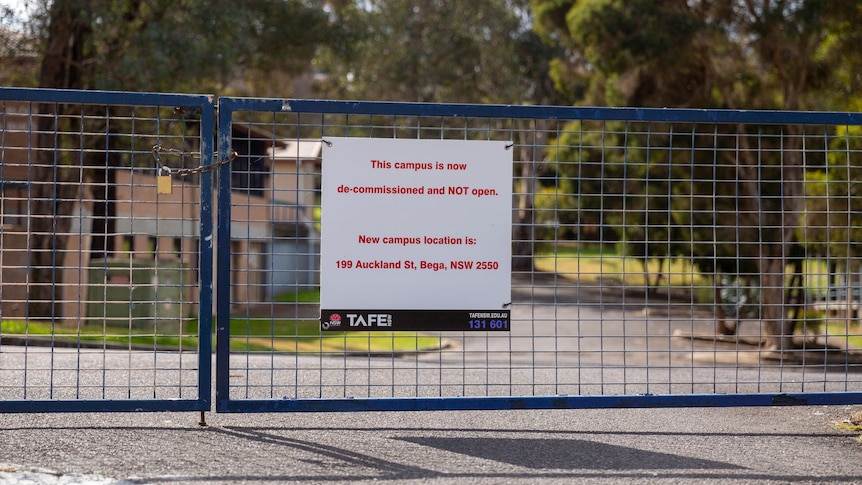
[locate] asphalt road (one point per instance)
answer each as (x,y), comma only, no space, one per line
(803,444)
(625,446)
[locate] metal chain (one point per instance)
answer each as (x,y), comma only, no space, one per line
(182,172)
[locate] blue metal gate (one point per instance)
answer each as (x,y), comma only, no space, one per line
(107,251)
(661,257)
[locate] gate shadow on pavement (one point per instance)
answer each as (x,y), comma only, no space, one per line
(566,454)
(320,454)
(525,458)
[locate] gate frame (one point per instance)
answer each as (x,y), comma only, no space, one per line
(206,104)
(226,108)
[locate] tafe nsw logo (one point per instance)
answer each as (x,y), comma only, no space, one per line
(369,320)
(334,321)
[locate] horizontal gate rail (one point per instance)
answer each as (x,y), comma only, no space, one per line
(538,402)
(106,283)
(683,115)
(586,332)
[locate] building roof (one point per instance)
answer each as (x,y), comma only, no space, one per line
(298,149)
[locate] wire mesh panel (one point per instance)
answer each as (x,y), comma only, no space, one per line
(659,258)
(106,260)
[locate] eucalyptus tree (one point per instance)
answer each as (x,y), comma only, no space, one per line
(481,51)
(737,54)
(146,45)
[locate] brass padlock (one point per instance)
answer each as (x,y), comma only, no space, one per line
(164,183)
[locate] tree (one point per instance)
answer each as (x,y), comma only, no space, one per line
(482,51)
(833,208)
(55,185)
(750,54)
(18,50)
(400,54)
(192,46)
(149,45)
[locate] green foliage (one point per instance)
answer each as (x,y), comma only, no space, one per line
(477,51)
(306,296)
(188,46)
(792,55)
(641,53)
(18,50)
(833,206)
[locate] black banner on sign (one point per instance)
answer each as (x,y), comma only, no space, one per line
(414,320)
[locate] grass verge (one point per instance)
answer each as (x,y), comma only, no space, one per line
(596,264)
(592,264)
(247,335)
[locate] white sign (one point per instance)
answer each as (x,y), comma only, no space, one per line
(415,225)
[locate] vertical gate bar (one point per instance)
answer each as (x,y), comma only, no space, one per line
(205,267)
(579,174)
(714,249)
(223,240)
(160,123)
(630,186)
(53,181)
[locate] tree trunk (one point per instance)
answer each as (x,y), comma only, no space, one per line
(524,227)
(776,219)
(54,184)
(777,328)
(722,326)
